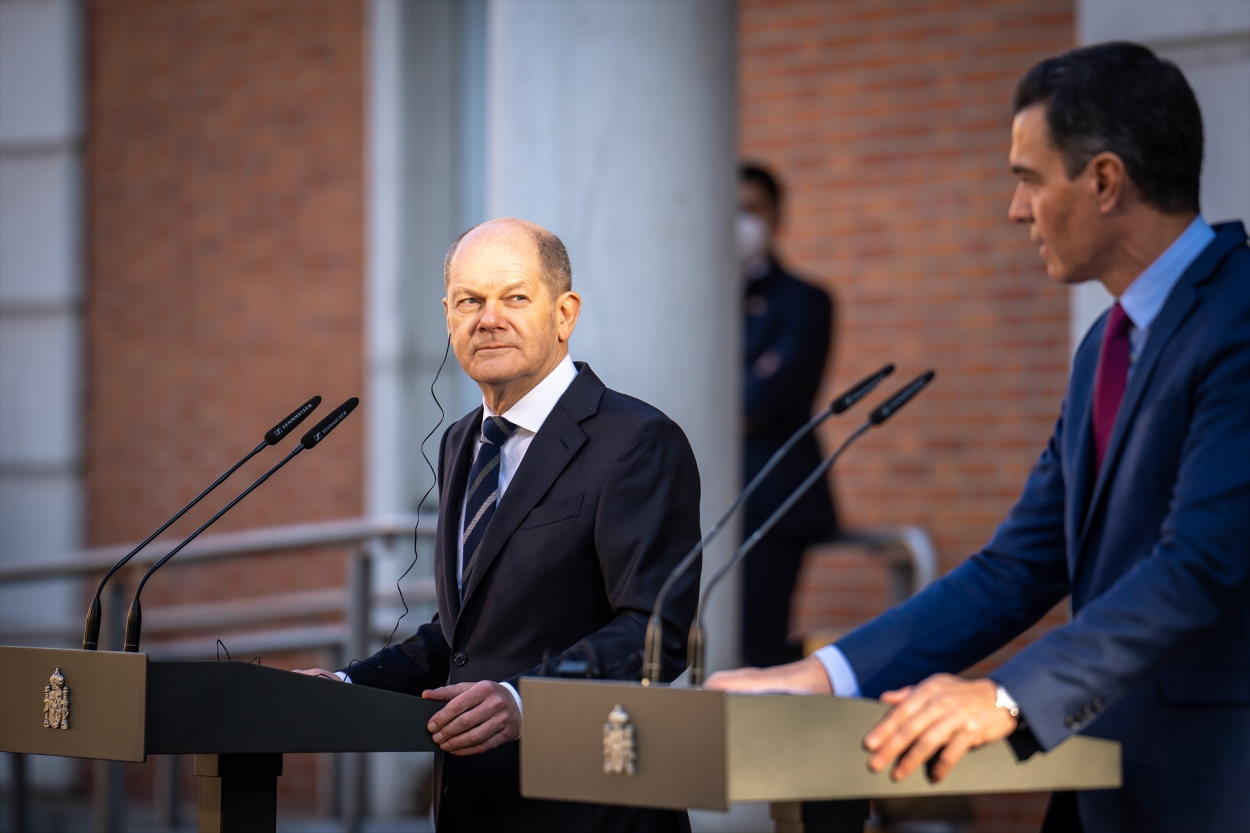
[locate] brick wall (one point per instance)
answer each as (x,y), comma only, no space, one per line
(889,121)
(224,189)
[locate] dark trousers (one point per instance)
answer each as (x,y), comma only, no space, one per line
(1062,815)
(769,575)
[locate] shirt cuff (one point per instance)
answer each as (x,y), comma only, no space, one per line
(841,676)
(515,695)
(342,675)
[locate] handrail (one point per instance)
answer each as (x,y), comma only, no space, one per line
(921,566)
(311,535)
(232,613)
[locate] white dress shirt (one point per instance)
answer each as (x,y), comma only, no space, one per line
(528,415)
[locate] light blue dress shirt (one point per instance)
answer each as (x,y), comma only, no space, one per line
(1145,296)
(1142,302)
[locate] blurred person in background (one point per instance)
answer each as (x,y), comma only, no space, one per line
(786,338)
(1138,508)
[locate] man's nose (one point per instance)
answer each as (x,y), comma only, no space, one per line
(491,317)
(1018,210)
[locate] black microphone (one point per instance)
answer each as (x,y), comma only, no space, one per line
(134,619)
(91,628)
(652,645)
(879,415)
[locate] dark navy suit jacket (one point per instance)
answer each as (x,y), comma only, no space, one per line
(603,506)
(1155,554)
(788,329)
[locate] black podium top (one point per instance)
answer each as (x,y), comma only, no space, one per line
(123,707)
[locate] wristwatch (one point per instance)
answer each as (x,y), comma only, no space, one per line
(1007,703)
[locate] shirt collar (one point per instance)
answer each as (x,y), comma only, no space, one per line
(531,410)
(1145,295)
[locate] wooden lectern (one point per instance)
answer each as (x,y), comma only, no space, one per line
(702,749)
(236,718)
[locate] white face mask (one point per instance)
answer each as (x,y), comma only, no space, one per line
(752,239)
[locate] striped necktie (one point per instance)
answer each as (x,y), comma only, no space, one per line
(483,491)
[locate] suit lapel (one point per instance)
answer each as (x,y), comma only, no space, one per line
(1180,303)
(555,444)
(1081,470)
(460,443)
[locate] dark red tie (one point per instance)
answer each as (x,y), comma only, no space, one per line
(1111,379)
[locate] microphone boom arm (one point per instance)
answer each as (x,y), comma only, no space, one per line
(134,617)
(696,629)
(653,649)
(310,439)
(91,626)
(878,416)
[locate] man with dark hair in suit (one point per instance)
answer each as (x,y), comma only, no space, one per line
(786,342)
(563,507)
(1138,509)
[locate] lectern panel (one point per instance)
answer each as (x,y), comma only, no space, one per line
(705,749)
(104,694)
(797,748)
(678,739)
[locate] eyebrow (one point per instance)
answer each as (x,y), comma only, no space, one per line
(455,288)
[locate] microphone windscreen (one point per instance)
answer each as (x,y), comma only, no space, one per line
(286,426)
(888,408)
(862,388)
(319,431)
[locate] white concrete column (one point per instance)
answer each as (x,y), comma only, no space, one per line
(612,123)
(41,288)
(1210,41)
(40,298)
(412,191)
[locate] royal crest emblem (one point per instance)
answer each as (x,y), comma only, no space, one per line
(620,754)
(56,702)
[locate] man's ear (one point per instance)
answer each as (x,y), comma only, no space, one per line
(568,307)
(1110,180)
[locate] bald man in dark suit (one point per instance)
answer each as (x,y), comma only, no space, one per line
(563,507)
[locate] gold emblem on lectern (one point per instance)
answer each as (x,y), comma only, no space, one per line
(620,755)
(56,702)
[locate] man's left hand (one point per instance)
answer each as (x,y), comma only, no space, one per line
(943,713)
(478,717)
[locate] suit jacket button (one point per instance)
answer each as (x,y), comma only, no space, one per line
(460,658)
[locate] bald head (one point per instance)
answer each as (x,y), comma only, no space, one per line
(553,258)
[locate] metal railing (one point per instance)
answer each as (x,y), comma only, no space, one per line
(350,631)
(907,576)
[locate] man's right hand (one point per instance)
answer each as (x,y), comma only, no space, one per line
(807,676)
(318,672)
